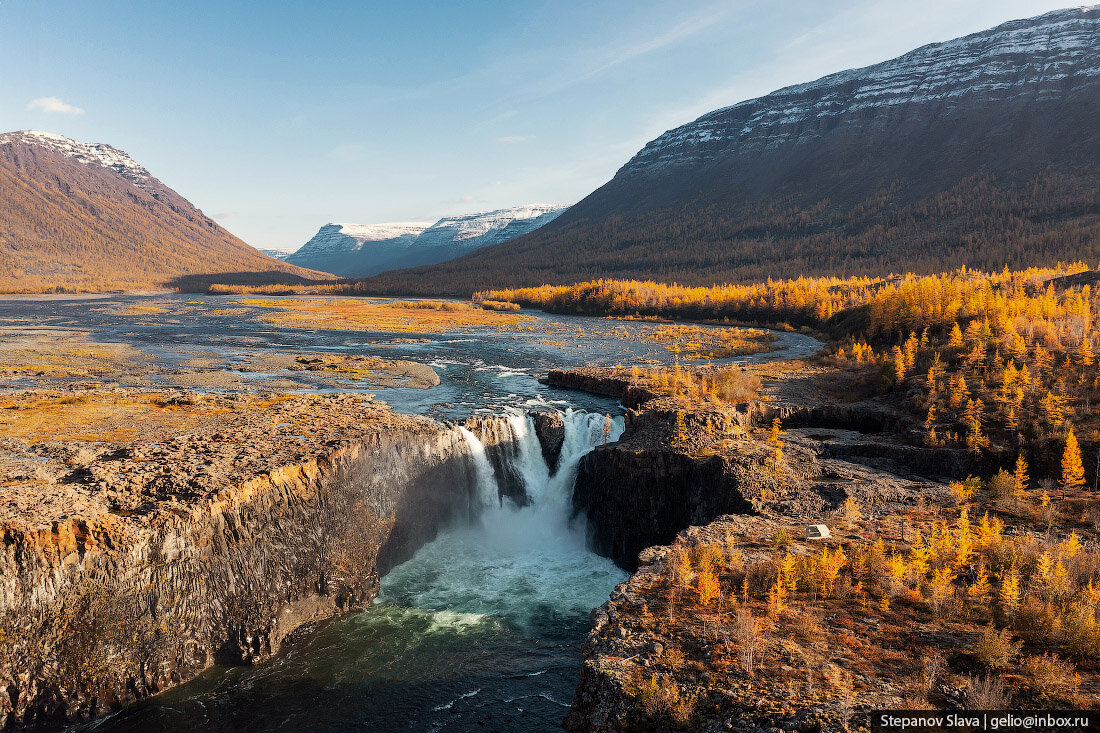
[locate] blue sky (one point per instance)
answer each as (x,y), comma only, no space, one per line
(276,117)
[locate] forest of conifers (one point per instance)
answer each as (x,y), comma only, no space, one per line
(979,223)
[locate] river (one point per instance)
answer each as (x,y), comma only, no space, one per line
(481,629)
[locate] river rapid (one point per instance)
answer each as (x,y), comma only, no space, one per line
(481,629)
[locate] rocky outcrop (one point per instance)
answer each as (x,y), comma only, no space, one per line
(660,478)
(601,382)
(155,567)
(863,417)
(645,671)
(935,462)
(550,429)
(637,498)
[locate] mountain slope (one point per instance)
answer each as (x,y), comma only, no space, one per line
(79,216)
(981,151)
(355,250)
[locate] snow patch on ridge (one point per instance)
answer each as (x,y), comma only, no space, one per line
(1035,59)
(91,154)
(458,233)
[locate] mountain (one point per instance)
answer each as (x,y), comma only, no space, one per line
(355,250)
(982,151)
(83,216)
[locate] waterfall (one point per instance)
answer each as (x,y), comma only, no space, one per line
(527,459)
(487,490)
(515,561)
(519,461)
(583,432)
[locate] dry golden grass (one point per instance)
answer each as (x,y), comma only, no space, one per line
(107,418)
(696,342)
(359,314)
(25,353)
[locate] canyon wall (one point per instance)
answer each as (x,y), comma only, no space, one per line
(100,611)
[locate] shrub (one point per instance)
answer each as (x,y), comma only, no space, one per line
(995,648)
(760,577)
(1001,486)
(780,537)
(851,512)
(735,385)
(932,666)
(1050,677)
(499,305)
(746,631)
(987,693)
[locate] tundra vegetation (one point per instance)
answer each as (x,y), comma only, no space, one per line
(989,599)
(939,606)
(1003,364)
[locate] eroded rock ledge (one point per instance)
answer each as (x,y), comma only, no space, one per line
(147,534)
(676,471)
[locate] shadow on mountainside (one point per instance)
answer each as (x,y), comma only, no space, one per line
(201,283)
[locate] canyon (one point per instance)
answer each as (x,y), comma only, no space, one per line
(133,564)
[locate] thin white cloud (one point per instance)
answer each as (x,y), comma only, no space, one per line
(53,104)
(512,139)
(702,21)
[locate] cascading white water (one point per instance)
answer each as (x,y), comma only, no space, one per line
(523,456)
(583,432)
(528,460)
(488,492)
(516,562)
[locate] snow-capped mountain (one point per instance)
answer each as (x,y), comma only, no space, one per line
(490,227)
(343,238)
(96,154)
(357,250)
(1035,59)
(84,216)
(983,151)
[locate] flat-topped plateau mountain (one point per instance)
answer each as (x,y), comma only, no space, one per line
(981,151)
(358,250)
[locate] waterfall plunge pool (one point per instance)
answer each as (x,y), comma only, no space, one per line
(480,630)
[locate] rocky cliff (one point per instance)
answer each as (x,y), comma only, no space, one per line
(634,499)
(129,565)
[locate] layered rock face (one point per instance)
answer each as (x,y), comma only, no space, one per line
(634,499)
(152,567)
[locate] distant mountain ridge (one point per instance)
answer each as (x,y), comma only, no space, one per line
(358,250)
(86,216)
(983,150)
